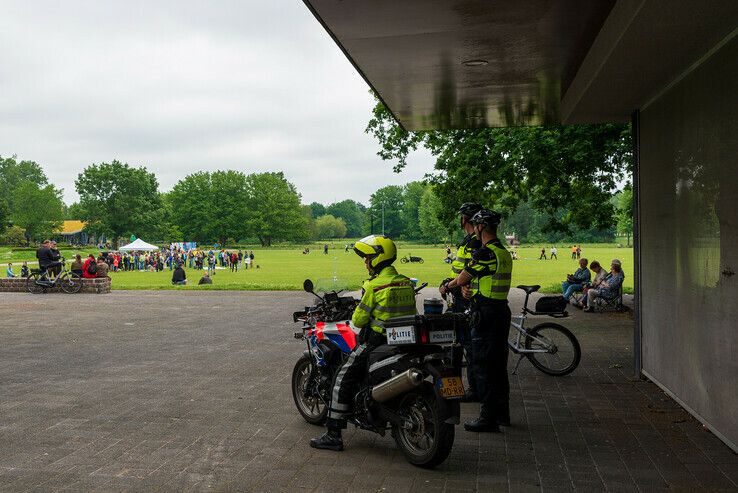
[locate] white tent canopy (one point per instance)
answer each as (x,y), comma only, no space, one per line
(138,245)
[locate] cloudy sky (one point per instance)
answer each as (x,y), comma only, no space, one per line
(186,86)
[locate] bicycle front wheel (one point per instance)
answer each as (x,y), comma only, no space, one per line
(32,286)
(70,282)
(557,349)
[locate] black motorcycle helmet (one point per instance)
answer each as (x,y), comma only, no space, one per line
(486,217)
(468,209)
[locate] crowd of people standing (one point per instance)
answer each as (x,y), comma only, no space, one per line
(170,258)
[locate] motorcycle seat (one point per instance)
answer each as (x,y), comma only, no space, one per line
(529,289)
(382,352)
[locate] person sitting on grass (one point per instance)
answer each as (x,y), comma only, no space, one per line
(179,278)
(205,279)
(575,282)
(24,269)
(9,271)
(609,288)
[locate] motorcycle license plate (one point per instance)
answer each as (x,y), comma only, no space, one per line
(401,335)
(450,387)
(442,336)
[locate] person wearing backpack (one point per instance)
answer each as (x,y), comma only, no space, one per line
(89,268)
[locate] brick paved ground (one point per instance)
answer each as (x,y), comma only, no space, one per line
(180,391)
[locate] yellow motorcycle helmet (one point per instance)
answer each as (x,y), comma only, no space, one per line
(380,250)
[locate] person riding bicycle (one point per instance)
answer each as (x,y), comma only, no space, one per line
(459,304)
(488,275)
(386,295)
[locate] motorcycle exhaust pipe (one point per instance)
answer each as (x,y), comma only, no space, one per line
(397,385)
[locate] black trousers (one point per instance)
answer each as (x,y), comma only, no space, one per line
(490,329)
(348,378)
(460,305)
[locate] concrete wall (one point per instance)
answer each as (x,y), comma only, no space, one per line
(689,239)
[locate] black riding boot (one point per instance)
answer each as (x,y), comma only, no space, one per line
(484,423)
(331,439)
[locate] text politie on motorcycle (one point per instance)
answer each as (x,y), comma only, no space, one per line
(386,295)
(489,275)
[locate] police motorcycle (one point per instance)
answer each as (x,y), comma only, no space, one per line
(412,386)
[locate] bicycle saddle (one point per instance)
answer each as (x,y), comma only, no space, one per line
(529,289)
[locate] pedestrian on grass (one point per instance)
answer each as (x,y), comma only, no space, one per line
(543,254)
(251,258)
(9,271)
(554,251)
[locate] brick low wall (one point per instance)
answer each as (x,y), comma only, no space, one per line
(99,285)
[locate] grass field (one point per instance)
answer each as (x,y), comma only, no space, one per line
(285,269)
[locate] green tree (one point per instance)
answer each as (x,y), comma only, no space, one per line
(390,199)
(307,214)
(317,210)
(274,211)
(431,227)
(73,211)
(229,193)
(624,212)
(118,200)
(191,202)
(14,172)
(328,226)
(412,195)
(38,210)
(4,215)
(354,215)
(571,168)
(13,236)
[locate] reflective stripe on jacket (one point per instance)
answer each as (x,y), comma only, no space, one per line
(463,254)
(386,296)
(491,271)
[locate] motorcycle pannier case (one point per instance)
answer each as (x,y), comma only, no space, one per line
(551,304)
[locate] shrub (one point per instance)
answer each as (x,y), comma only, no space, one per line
(13,236)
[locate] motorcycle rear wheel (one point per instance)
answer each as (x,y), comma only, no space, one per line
(430,440)
(311,407)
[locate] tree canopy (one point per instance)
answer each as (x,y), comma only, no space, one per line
(352,213)
(274,212)
(328,226)
(387,203)
(568,172)
(13,174)
(118,200)
(38,210)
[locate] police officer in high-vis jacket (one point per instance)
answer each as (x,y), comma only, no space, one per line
(386,295)
(459,304)
(489,274)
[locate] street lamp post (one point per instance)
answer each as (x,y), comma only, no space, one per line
(382,217)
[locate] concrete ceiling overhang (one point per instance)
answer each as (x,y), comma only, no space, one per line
(547,61)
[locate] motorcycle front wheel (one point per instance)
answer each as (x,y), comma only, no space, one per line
(305,392)
(429,440)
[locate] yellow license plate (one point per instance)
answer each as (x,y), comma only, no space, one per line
(451,387)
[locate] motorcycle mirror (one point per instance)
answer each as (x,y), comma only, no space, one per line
(307,285)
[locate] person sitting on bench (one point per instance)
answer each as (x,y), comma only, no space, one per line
(608,289)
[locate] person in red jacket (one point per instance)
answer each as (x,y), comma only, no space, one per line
(86,266)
